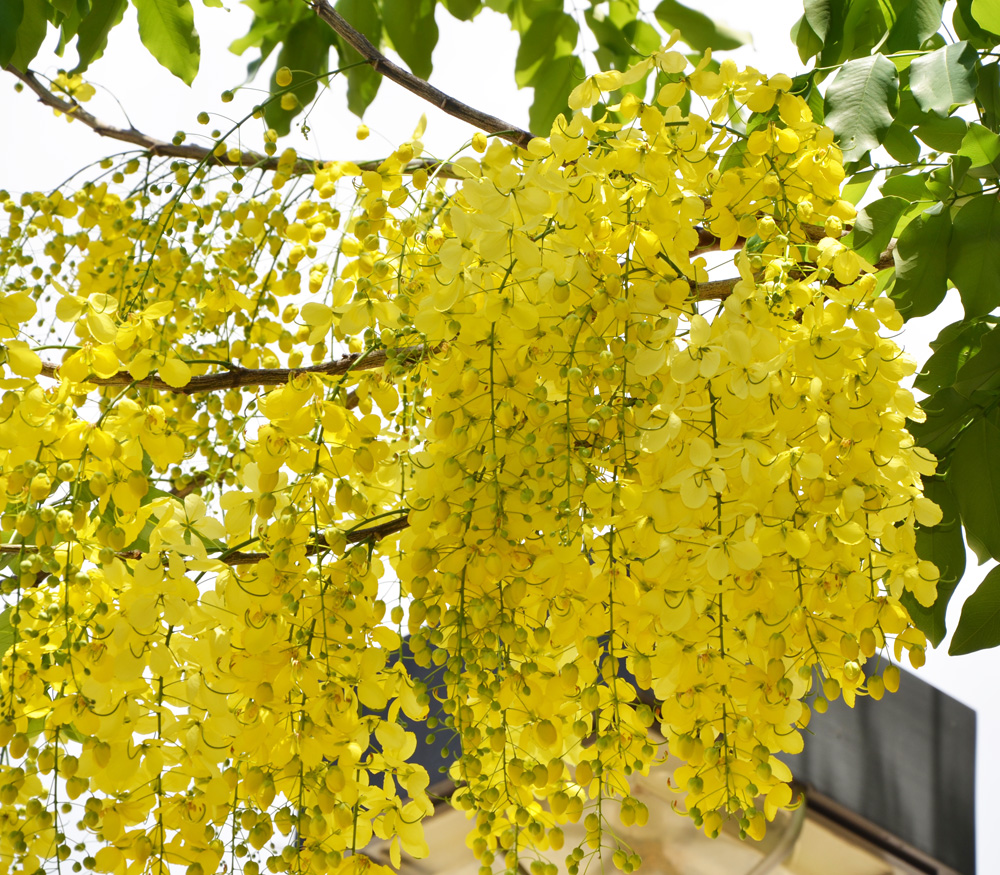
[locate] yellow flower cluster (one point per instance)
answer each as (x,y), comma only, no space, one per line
(616,503)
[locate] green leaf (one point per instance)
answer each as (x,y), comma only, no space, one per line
(911,186)
(411,28)
(921,258)
(859,104)
(943,545)
(952,349)
(697,29)
(916,23)
(850,28)
(551,35)
(854,189)
(948,183)
(943,134)
(980,373)
(987,14)
(306,52)
(11,13)
(979,626)
(166,28)
(362,81)
(92,37)
(805,39)
(68,25)
(988,96)
(947,414)
(734,157)
(30,33)
(552,85)
(463,10)
(982,147)
(874,227)
(974,254)
(974,478)
(966,26)
(945,78)
(646,39)
(524,13)
(6,631)
(901,144)
(820,15)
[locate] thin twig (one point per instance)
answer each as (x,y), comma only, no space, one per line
(356,536)
(386,68)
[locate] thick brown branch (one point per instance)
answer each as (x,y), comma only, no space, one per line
(384,67)
(236,378)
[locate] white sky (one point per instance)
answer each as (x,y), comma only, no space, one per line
(474,63)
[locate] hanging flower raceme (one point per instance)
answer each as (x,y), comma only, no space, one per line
(628,510)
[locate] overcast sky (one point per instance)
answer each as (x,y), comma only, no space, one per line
(474,63)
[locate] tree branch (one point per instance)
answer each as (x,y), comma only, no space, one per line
(707,242)
(356,536)
(236,378)
(189,152)
(386,68)
(241,377)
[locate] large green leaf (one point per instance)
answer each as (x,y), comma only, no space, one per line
(551,35)
(987,14)
(855,187)
(92,37)
(411,28)
(943,134)
(697,29)
(966,26)
(806,40)
(952,349)
(982,147)
(978,379)
(463,10)
(921,259)
(848,28)
(613,49)
(553,83)
(913,187)
(979,626)
(859,104)
(306,52)
(901,143)
(974,254)
(524,13)
(166,28)
(30,33)
(947,414)
(974,478)
(11,13)
(988,96)
(820,15)
(917,21)
(945,78)
(874,226)
(943,545)
(362,81)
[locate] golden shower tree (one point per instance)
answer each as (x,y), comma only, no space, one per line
(277,437)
